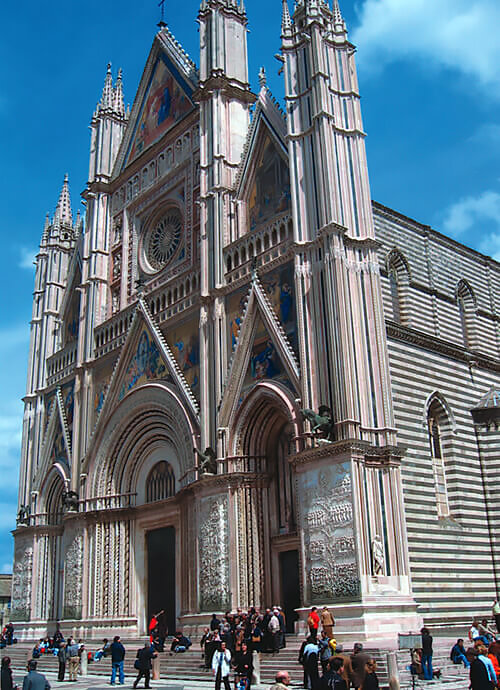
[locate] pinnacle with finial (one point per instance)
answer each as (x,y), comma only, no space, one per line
(286,22)
(63,210)
(262,78)
(338,19)
(118,104)
(107,92)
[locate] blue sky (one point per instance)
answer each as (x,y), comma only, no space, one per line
(429,75)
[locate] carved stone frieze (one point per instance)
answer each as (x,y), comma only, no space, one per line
(213,546)
(21,582)
(73,567)
(326,516)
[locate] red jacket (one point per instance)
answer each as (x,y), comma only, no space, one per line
(313,620)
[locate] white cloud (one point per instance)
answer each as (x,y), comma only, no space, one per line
(490,245)
(471,211)
(456,34)
(27,258)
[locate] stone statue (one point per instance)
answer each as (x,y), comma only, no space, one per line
(208,461)
(321,423)
(378,558)
(23,516)
(70,501)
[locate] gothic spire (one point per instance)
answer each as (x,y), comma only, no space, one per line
(63,210)
(118,105)
(286,22)
(107,92)
(338,20)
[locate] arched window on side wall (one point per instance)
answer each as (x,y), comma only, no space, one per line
(160,483)
(436,418)
(398,274)
(467,308)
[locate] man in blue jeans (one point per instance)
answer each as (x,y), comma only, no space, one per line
(117,656)
(426,654)
(457,654)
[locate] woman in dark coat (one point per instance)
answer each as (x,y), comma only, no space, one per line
(7,682)
(244,664)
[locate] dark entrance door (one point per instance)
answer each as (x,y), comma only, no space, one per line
(290,587)
(161,575)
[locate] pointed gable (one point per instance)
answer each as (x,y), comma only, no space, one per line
(263,351)
(56,448)
(164,97)
(145,357)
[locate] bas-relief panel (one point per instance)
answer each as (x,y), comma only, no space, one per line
(21,581)
(164,104)
(326,507)
(184,341)
(270,193)
(213,554)
(73,567)
(147,365)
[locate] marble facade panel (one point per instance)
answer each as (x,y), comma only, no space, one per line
(326,518)
(213,550)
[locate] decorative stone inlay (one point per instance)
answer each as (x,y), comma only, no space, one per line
(73,579)
(325,500)
(213,552)
(21,583)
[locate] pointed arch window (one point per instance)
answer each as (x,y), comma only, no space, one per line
(466,308)
(436,419)
(398,273)
(160,483)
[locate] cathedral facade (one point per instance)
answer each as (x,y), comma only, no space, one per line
(248,383)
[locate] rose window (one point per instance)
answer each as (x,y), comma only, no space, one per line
(163,239)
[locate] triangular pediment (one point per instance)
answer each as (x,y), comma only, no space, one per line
(262,351)
(145,357)
(164,98)
(268,126)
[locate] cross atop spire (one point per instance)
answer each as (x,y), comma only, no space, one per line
(63,210)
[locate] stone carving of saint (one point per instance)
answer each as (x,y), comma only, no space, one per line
(378,558)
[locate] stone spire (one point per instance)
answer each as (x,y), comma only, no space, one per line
(107,92)
(63,210)
(338,20)
(286,22)
(118,104)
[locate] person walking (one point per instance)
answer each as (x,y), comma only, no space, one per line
(143,664)
(313,623)
(62,656)
(274,632)
(117,657)
(327,621)
(34,680)
(371,679)
(496,614)
(244,664)
(221,666)
(332,679)
(426,654)
(7,682)
(73,660)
